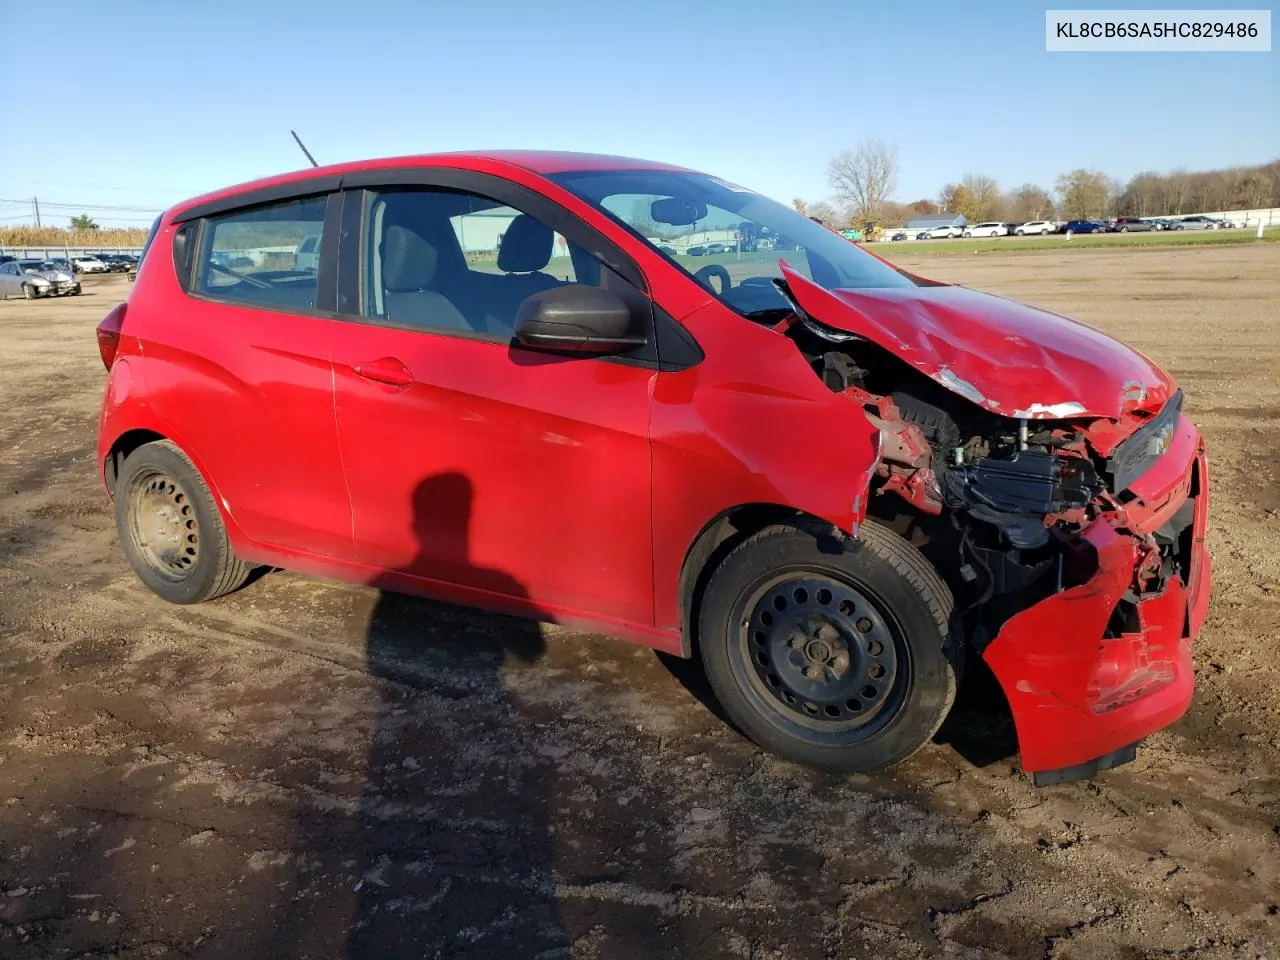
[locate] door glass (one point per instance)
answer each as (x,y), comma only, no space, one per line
(458,262)
(253,256)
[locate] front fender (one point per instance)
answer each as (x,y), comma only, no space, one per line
(751,424)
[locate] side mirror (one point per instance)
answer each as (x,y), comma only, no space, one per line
(576,319)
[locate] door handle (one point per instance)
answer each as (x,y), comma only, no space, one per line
(387,370)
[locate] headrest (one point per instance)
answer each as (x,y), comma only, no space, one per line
(408,261)
(526,246)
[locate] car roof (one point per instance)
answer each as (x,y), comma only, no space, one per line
(541,162)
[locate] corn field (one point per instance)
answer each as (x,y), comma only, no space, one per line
(62,237)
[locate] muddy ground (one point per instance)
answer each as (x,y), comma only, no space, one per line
(314,770)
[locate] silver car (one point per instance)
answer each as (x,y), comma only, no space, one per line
(35,278)
(1198,222)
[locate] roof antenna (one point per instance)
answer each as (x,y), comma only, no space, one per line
(303,148)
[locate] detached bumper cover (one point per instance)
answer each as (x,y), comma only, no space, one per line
(1052,659)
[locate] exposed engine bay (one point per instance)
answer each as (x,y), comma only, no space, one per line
(998,503)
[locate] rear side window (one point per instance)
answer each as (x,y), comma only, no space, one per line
(252,256)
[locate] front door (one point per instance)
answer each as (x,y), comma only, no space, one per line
(472,461)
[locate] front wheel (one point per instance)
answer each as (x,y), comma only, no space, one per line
(28,291)
(170,528)
(834,654)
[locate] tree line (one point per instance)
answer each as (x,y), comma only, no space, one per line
(863,181)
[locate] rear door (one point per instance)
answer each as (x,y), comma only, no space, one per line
(244,369)
(522,477)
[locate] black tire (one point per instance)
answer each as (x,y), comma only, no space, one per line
(839,689)
(170,528)
(28,291)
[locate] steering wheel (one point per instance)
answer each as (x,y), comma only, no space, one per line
(704,276)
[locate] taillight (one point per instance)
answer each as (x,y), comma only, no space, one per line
(109,334)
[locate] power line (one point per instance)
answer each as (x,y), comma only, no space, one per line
(112,186)
(30,219)
(90,206)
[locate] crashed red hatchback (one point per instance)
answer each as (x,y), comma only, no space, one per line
(645,401)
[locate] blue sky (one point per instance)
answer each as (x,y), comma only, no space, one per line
(173,99)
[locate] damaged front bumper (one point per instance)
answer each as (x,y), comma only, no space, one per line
(1095,667)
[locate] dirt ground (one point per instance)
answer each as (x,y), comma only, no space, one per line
(314,770)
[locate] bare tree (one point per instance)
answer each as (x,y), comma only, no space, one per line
(987,202)
(825,212)
(865,177)
(800,205)
(1085,194)
(1029,202)
(956,198)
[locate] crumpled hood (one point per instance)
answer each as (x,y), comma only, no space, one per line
(1005,356)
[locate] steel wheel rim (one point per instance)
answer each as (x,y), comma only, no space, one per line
(823,653)
(163,524)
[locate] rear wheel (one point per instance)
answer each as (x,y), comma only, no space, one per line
(170,528)
(834,654)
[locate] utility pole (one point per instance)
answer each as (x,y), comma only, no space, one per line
(36,203)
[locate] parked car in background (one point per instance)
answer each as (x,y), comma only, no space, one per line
(35,278)
(1036,228)
(717,248)
(1129,225)
(6,258)
(65,282)
(88,265)
(899,235)
(1083,226)
(945,232)
(1196,222)
(1011,228)
(307,256)
(698,251)
(1225,224)
(116,263)
(989,229)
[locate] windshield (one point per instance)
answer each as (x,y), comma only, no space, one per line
(33,266)
(728,238)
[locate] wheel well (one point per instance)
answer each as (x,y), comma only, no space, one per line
(713,544)
(125,444)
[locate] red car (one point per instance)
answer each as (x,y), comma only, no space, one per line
(501,382)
